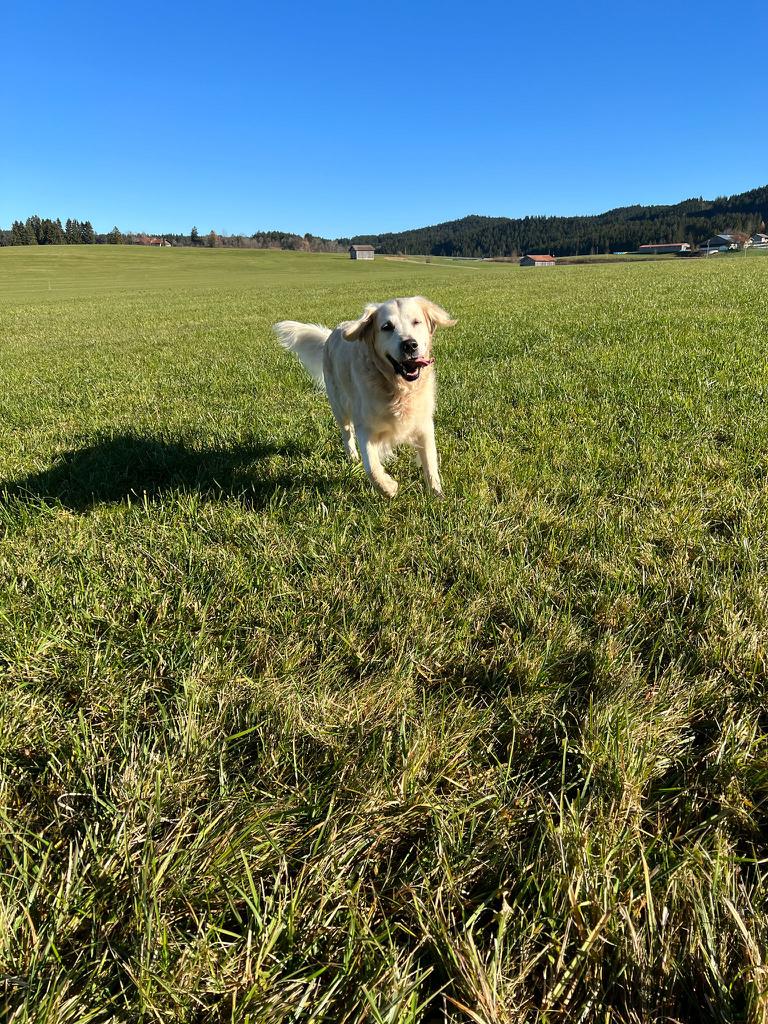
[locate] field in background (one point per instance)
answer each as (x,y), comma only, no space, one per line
(273,749)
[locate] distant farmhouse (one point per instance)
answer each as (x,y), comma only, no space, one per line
(726,242)
(361,252)
(537,261)
(654,248)
(151,240)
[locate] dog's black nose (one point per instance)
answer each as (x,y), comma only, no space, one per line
(409,346)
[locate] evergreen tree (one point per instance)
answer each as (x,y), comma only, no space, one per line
(72,232)
(194,237)
(114,237)
(52,233)
(19,234)
(87,234)
(34,226)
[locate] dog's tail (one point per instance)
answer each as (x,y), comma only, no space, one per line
(307,342)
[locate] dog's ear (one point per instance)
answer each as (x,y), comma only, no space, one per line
(435,315)
(356,330)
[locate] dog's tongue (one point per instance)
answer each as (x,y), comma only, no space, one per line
(421,361)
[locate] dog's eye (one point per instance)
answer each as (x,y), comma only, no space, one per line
(416,323)
(387,326)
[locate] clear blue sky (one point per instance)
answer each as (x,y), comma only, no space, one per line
(349,117)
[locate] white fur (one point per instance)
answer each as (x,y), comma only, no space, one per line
(375,406)
(307,342)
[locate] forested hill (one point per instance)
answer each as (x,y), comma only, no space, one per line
(624,229)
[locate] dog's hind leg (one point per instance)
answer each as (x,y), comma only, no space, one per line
(346,429)
(348,440)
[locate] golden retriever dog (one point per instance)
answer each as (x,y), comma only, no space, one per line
(379,375)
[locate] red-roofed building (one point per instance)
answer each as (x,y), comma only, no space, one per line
(537,261)
(151,240)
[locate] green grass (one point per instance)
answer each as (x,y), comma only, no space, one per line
(273,749)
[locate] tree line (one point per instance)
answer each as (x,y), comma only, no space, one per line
(45,231)
(620,230)
(261,240)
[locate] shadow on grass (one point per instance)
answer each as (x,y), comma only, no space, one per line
(129,466)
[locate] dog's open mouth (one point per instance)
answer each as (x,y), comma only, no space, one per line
(410,369)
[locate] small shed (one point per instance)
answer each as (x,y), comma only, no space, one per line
(361,252)
(537,261)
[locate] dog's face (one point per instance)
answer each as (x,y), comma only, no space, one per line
(400,332)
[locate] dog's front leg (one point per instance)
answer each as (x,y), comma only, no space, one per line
(427,453)
(373,467)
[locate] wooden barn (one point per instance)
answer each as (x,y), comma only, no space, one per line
(361,252)
(537,261)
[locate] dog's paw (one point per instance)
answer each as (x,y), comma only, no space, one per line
(387,486)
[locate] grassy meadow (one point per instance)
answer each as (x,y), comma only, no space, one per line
(273,749)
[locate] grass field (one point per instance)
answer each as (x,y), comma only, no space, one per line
(274,749)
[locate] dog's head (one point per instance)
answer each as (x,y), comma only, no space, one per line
(400,333)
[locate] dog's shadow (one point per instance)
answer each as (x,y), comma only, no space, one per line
(128,467)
